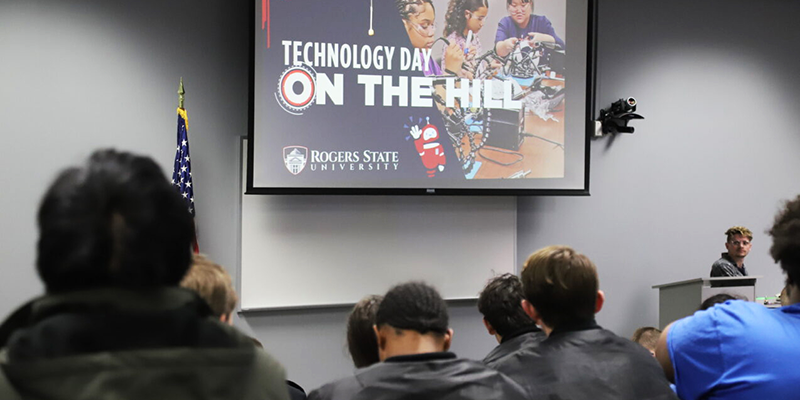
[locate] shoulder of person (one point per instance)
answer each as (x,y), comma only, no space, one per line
(341,389)
(733,311)
(477,372)
(513,362)
(722,261)
(722,322)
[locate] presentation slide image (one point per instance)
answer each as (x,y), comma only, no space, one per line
(373,97)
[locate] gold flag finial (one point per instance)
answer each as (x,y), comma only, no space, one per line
(181,92)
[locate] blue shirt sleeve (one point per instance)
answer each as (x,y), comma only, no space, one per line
(538,23)
(503,29)
(695,350)
(543,25)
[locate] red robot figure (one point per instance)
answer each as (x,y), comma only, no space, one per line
(430,151)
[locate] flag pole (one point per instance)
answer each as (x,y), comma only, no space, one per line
(182,170)
(181,92)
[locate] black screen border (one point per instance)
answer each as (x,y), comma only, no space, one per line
(591,76)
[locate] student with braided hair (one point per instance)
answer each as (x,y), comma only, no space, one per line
(419,18)
(463,17)
(413,335)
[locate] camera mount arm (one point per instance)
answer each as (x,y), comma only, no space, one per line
(615,118)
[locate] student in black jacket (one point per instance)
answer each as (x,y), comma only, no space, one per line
(500,302)
(413,338)
(579,359)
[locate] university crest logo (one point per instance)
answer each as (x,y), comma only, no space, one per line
(295,158)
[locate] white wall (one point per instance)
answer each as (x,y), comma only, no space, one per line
(715,79)
(77,75)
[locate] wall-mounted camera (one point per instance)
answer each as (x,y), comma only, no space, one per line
(615,118)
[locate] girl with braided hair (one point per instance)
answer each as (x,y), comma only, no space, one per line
(419,18)
(463,17)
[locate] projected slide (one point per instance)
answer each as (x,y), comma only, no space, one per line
(420,95)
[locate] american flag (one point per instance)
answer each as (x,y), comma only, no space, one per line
(182,170)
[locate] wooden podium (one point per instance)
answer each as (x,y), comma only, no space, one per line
(680,299)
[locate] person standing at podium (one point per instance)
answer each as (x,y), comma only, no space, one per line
(738,245)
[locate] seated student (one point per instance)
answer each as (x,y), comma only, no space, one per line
(413,337)
(579,359)
(521,23)
(361,340)
(741,349)
(500,302)
(463,21)
(115,241)
(647,336)
(214,285)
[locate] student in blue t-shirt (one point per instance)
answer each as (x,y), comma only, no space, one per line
(521,23)
(740,349)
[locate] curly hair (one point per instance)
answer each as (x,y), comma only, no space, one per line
(455,20)
(500,302)
(785,234)
(413,306)
(408,7)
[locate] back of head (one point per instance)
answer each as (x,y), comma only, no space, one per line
(361,341)
(561,284)
(115,221)
(785,234)
(413,306)
(500,302)
(717,299)
(212,283)
(647,336)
